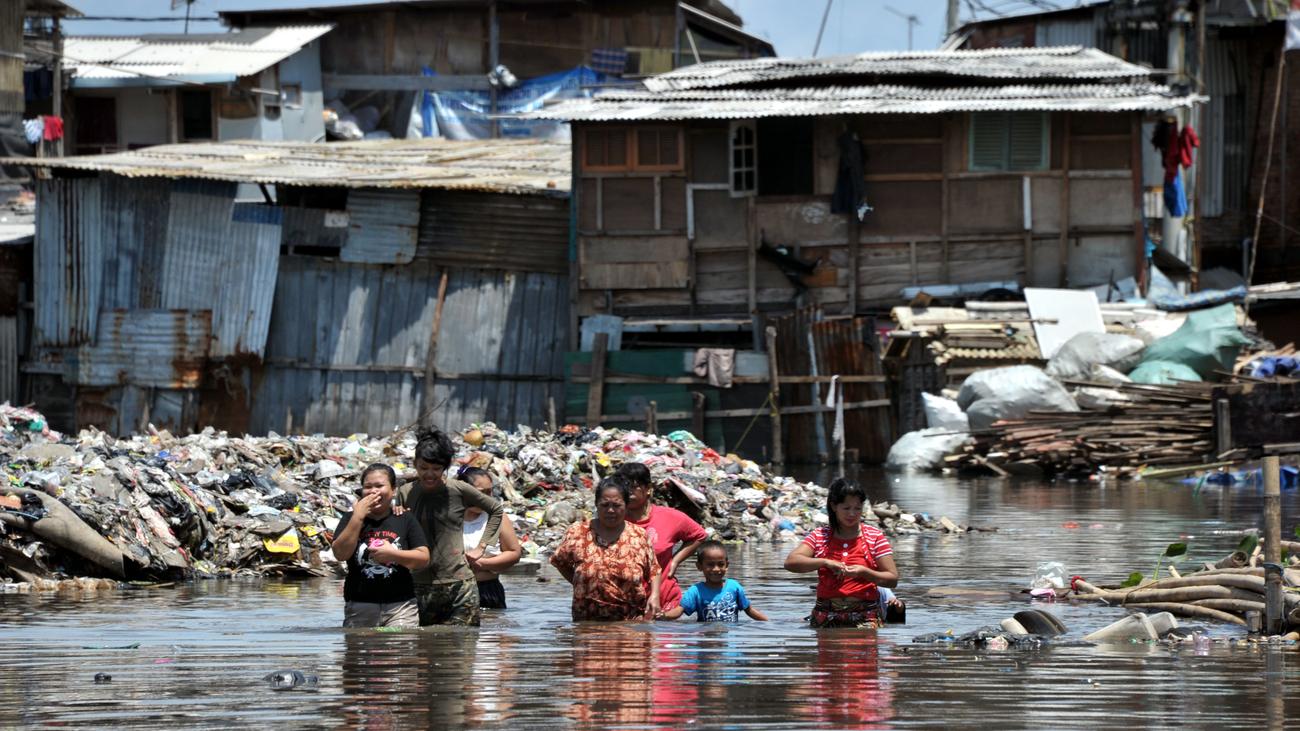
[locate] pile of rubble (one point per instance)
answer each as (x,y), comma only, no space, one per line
(156,506)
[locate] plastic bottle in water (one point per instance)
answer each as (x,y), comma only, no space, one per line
(291,680)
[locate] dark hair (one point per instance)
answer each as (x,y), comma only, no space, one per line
(841,490)
(380,467)
(615,482)
(434,447)
(710,545)
(469,474)
(634,472)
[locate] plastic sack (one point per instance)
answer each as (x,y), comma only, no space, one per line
(923,449)
(1050,575)
(1075,359)
(1163,373)
(944,413)
(1207,342)
(1011,393)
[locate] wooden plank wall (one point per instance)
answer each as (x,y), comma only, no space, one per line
(933,221)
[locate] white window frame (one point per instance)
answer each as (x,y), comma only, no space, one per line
(732,147)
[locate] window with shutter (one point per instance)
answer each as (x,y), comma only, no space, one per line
(1007,141)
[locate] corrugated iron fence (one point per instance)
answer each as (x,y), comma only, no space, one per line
(173,303)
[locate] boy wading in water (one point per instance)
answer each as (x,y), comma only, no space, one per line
(446,590)
(382,548)
(717,598)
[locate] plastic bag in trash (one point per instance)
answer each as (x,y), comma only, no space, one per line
(923,449)
(1080,353)
(1050,574)
(1208,341)
(944,413)
(1011,393)
(1163,373)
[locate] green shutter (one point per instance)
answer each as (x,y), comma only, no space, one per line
(988,141)
(1028,143)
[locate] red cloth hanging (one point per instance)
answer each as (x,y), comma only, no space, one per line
(1187,141)
(53,128)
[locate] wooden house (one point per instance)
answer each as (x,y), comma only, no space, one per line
(712,191)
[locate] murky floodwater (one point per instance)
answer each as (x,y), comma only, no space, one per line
(204,648)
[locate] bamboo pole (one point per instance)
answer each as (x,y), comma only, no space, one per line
(1192,610)
(774,397)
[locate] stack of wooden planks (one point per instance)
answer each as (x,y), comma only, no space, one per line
(1156,425)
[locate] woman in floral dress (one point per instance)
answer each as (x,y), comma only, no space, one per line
(610,563)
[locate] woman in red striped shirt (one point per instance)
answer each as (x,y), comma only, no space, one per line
(851,561)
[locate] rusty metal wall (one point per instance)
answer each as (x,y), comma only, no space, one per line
(349,344)
(134,234)
(68,258)
(158,348)
(518,232)
(222,256)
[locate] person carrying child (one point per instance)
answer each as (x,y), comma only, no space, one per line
(717,598)
(382,548)
(852,561)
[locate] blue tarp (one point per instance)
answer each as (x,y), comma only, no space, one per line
(465,115)
(1164,295)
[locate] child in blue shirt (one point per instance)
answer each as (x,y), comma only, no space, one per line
(717,598)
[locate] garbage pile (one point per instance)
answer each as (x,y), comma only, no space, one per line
(1114,399)
(156,506)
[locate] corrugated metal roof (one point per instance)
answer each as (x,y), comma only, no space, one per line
(503,166)
(149,60)
(159,348)
(757,103)
(1063,63)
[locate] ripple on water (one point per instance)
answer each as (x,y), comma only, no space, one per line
(204,648)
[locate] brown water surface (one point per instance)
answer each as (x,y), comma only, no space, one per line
(204,647)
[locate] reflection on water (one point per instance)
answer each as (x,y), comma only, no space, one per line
(204,648)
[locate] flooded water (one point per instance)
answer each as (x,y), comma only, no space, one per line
(203,649)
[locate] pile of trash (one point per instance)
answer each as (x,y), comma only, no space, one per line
(1104,402)
(155,506)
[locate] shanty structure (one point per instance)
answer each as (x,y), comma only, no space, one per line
(128,92)
(711,190)
(16,16)
(814,192)
(1228,51)
(375,283)
(393,55)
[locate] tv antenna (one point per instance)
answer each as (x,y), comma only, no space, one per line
(912,21)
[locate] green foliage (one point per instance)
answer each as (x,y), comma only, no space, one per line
(1175,549)
(1248,544)
(1133,579)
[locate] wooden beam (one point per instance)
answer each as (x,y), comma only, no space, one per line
(774,397)
(943,199)
(431,360)
(399,82)
(596,391)
(1063,246)
(855,228)
(582,375)
(1139,205)
(748,413)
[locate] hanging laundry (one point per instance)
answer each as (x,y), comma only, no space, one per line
(34,130)
(716,364)
(1187,141)
(53,128)
(612,61)
(850,194)
(1175,197)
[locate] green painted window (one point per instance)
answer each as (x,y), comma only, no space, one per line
(1009,141)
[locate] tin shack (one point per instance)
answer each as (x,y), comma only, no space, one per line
(371,285)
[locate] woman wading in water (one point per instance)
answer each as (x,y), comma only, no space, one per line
(610,562)
(488,568)
(851,560)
